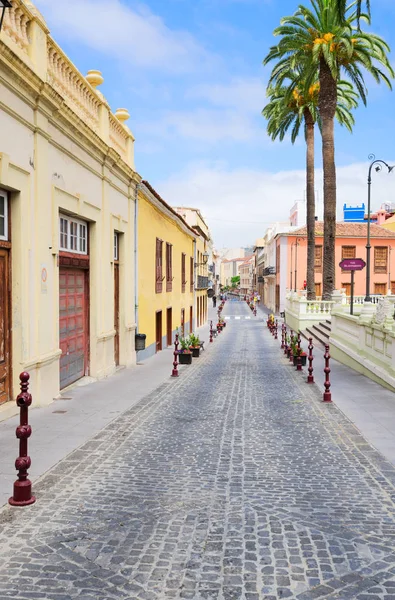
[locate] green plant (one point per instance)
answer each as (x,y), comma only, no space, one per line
(184,345)
(194,341)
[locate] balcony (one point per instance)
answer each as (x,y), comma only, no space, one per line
(269,271)
(201,283)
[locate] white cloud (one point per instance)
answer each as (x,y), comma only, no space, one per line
(135,36)
(246,94)
(240,204)
(205,125)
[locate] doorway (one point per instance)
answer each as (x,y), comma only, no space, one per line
(116,313)
(73,324)
(183,322)
(169,326)
(158,331)
(5,327)
(191,319)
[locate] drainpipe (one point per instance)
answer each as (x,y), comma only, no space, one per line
(194,285)
(136,264)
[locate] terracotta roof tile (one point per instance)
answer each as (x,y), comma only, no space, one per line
(349,230)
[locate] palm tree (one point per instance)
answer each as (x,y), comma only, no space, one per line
(342,5)
(287,108)
(331,45)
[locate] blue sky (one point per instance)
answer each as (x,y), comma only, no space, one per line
(190,73)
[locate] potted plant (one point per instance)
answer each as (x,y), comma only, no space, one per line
(194,345)
(296,352)
(184,353)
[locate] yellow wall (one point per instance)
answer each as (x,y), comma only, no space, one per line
(201,295)
(153,223)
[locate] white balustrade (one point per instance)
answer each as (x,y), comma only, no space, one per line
(16,25)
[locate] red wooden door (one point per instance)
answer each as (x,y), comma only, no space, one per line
(158,331)
(190,319)
(116,313)
(169,326)
(72,325)
(5,328)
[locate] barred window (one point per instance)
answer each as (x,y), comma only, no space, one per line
(318,258)
(381,259)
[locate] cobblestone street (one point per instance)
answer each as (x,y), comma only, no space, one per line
(232,482)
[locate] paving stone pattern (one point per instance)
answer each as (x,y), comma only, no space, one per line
(232,482)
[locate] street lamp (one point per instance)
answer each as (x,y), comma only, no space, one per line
(205,257)
(377,168)
(3,5)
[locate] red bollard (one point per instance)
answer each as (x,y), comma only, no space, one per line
(282,336)
(285,341)
(174,372)
(327,394)
(211,331)
(254,312)
(299,358)
(310,377)
(23,487)
(275,330)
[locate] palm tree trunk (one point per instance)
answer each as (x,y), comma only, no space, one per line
(310,204)
(327,107)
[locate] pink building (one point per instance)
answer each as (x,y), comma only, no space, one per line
(291,260)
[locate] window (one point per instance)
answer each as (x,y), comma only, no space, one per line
(347,287)
(191,267)
(277,259)
(380,288)
(3,216)
(318,258)
(73,235)
(169,268)
(348,252)
(158,262)
(183,274)
(380,259)
(116,245)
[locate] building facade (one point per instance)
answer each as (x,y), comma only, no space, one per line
(166,272)
(291,260)
(67,205)
(246,272)
(193,217)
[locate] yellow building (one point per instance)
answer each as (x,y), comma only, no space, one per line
(195,220)
(67,217)
(166,272)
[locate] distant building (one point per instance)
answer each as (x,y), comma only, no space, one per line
(353,214)
(246,272)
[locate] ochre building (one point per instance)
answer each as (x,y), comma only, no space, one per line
(166,272)
(67,217)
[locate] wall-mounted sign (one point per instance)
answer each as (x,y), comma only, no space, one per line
(44,277)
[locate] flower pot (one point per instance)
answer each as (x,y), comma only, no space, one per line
(303,359)
(195,352)
(185,358)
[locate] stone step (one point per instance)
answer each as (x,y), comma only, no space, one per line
(317,335)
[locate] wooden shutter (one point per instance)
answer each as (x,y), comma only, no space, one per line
(183,274)
(191,268)
(380,259)
(318,258)
(348,252)
(169,268)
(158,286)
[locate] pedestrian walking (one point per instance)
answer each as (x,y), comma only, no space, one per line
(214,301)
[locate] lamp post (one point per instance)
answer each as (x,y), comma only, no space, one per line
(378,168)
(3,5)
